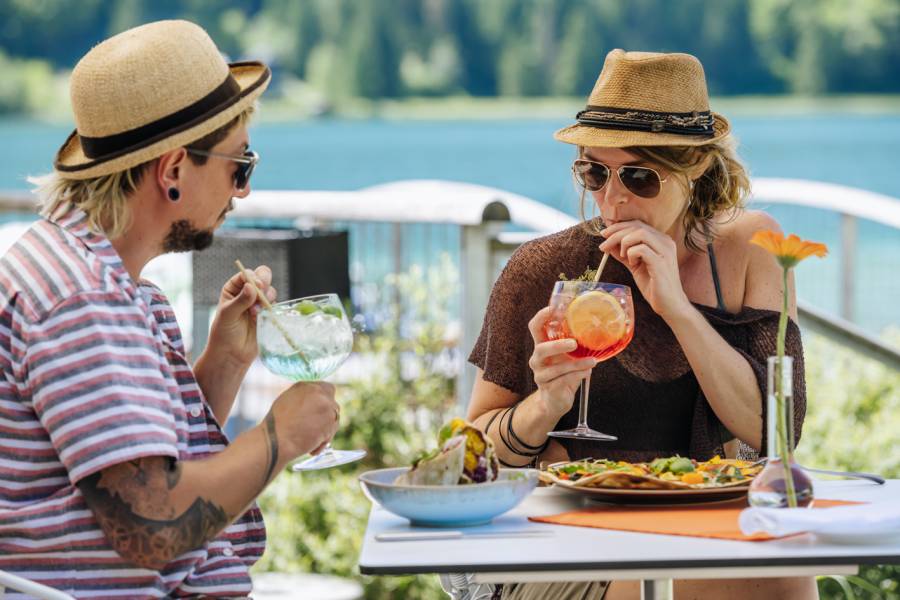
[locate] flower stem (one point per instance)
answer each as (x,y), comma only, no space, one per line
(785,452)
(782,321)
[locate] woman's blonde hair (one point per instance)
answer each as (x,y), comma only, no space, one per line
(721,190)
(104,199)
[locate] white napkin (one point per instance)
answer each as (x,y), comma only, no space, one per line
(858,523)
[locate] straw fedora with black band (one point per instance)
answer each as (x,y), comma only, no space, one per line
(647,99)
(148,90)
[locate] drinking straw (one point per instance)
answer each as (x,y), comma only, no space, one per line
(268,305)
(600,268)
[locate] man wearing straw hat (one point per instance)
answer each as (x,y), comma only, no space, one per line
(117,478)
(667,189)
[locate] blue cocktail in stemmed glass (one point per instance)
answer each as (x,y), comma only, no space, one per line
(307,339)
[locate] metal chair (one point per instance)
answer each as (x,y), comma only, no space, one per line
(8,581)
(459,586)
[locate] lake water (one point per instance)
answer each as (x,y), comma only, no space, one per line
(521,156)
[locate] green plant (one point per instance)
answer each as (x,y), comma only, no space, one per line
(316,520)
(852,420)
(853,411)
(846,587)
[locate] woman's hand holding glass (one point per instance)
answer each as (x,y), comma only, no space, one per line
(555,373)
(652,258)
(600,318)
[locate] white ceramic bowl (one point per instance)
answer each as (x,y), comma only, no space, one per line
(448,505)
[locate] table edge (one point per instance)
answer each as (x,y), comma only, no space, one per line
(634,566)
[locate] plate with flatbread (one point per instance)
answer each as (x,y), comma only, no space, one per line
(669,480)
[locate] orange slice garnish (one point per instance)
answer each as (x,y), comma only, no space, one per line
(596,320)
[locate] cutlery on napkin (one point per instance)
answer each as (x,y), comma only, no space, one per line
(850,474)
(408,536)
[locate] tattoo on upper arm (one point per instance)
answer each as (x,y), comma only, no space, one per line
(120,497)
(272,438)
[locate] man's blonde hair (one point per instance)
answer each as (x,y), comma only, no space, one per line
(104,199)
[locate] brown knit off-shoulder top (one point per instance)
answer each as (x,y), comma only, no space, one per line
(647,395)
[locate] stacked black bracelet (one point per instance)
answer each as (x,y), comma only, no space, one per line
(530,451)
(487,430)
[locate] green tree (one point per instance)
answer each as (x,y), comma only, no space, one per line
(437,74)
(477,53)
(511,47)
(371,59)
(580,56)
(54,30)
(817,46)
(316,520)
(729,54)
(26,86)
(282,33)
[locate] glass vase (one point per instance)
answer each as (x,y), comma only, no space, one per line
(782,483)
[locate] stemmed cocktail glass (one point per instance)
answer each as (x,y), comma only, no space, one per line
(600,318)
(307,339)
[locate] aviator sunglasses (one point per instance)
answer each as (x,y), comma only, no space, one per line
(640,181)
(246,162)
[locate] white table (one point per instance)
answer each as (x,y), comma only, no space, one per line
(587,554)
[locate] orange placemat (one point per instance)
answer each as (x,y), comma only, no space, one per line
(718,520)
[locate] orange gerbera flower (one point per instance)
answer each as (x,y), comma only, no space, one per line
(788,250)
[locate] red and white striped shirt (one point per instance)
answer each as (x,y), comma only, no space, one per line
(95,374)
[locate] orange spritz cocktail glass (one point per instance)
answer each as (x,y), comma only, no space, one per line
(600,318)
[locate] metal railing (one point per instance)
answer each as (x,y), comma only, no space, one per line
(852,204)
(483,216)
(483,213)
(17,202)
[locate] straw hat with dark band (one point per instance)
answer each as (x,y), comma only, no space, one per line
(647,99)
(149,90)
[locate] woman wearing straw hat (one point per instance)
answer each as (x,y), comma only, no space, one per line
(117,476)
(667,191)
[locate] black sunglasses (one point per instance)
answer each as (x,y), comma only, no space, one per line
(640,181)
(246,163)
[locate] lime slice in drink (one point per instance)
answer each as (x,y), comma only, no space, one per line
(306,307)
(334,311)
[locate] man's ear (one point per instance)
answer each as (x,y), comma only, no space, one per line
(169,168)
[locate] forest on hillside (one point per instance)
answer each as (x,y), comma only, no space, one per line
(401,48)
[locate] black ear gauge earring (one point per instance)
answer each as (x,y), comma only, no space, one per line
(174,194)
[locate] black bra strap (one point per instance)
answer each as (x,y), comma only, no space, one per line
(720,302)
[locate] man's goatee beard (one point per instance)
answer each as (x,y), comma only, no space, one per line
(184,237)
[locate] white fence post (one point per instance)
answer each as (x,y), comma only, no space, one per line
(848,266)
(476,279)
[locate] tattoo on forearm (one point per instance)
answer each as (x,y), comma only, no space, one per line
(272,438)
(119,499)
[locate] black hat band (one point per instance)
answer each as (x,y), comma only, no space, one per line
(695,123)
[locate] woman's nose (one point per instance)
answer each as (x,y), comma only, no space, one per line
(614,192)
